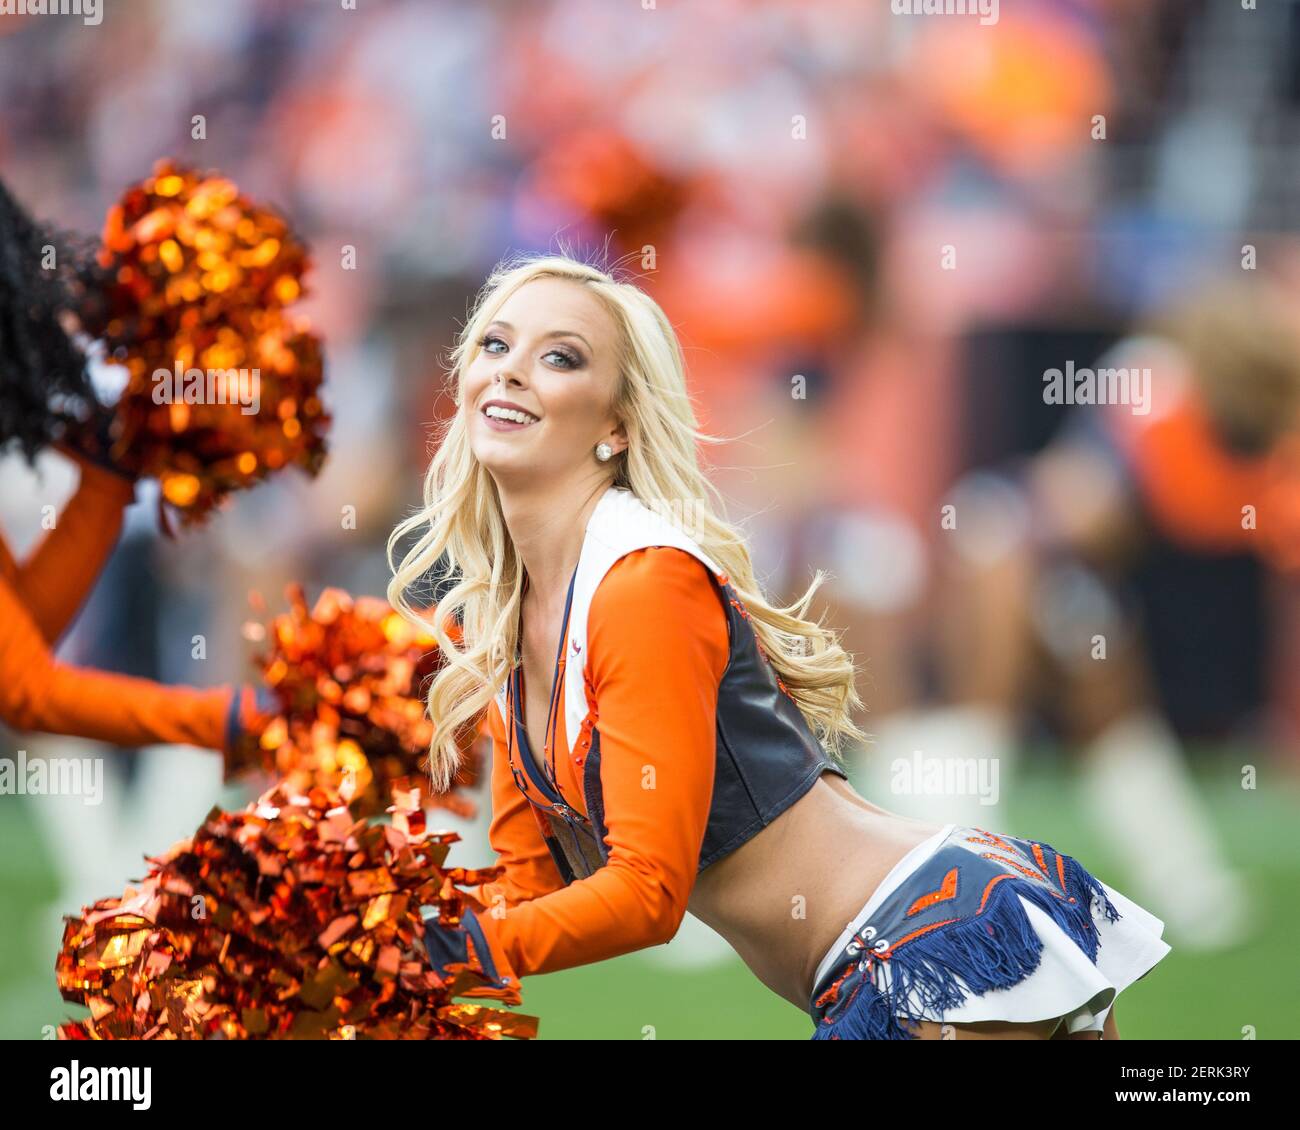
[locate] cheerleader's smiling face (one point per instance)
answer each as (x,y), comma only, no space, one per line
(540,387)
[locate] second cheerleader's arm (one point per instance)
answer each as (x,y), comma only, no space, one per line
(659,646)
(56,576)
(37,692)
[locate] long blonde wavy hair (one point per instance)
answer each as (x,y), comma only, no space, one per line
(461,530)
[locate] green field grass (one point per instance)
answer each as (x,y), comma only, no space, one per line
(1189,996)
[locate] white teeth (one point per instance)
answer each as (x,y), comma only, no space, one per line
(498,413)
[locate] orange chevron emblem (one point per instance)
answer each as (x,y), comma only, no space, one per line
(946,890)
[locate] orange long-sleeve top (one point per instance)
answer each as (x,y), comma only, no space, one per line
(657,648)
(38,599)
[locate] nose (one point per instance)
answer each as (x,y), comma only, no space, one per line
(504,374)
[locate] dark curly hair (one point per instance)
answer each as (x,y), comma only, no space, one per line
(44,386)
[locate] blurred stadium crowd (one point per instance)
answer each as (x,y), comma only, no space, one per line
(875,234)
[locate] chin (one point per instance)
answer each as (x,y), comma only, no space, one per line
(498,463)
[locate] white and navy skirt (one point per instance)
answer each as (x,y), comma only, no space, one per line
(972,926)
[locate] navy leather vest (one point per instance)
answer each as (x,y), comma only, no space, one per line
(767,755)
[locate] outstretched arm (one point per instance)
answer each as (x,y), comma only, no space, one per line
(39,693)
(658,648)
(53,581)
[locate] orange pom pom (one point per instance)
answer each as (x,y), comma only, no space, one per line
(224,384)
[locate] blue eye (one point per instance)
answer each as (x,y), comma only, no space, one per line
(570,361)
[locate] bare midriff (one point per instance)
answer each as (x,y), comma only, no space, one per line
(784,897)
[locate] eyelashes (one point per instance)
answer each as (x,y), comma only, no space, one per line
(572,360)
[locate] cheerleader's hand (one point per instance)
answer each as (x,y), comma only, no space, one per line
(252,709)
(462,957)
(90,443)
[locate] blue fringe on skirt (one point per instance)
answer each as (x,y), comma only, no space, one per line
(993,948)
